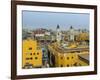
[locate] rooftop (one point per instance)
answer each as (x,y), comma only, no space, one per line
(67,50)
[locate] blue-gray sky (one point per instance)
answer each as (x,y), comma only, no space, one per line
(49,20)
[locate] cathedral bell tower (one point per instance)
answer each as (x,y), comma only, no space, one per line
(71,34)
(58,33)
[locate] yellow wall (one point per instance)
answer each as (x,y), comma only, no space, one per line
(66,59)
(32,53)
(82,37)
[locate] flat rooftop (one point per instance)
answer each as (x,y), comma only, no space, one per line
(63,50)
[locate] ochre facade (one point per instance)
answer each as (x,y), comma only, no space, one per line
(32,54)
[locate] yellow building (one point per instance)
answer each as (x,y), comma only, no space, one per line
(82,37)
(66,57)
(32,54)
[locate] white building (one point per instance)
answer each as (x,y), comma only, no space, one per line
(58,34)
(71,34)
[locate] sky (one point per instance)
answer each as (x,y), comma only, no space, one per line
(50,20)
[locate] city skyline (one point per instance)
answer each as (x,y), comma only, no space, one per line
(49,20)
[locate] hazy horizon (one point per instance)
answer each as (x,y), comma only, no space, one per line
(50,20)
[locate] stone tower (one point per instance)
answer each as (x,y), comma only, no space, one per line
(71,34)
(58,33)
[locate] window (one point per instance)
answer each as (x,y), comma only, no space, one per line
(75,64)
(33,53)
(68,58)
(30,48)
(37,53)
(31,58)
(27,58)
(61,65)
(67,65)
(61,57)
(27,63)
(30,53)
(36,58)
